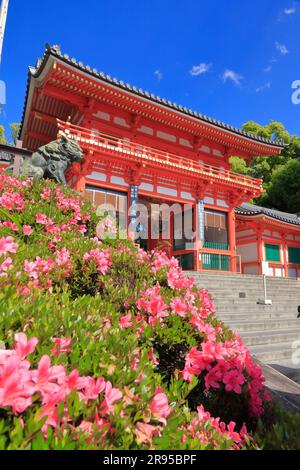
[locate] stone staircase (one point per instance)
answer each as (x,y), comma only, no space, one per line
(268,331)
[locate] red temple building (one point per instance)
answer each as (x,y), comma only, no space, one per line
(140,148)
(268,241)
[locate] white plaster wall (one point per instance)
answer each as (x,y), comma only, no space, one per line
(118,180)
(209,200)
(222,203)
(102,115)
(97,176)
(248,252)
(146,187)
(185,142)
(120,121)
(166,191)
(185,195)
(146,130)
(251,270)
(165,136)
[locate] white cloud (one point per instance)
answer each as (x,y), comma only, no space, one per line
(200,69)
(290,11)
(268,69)
(232,76)
(159,75)
(261,88)
(282,48)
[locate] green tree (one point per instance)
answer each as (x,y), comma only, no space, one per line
(284,189)
(13,134)
(2,135)
(15,129)
(267,167)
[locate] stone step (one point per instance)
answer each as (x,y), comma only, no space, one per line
(273,352)
(268,331)
(259,325)
(220,302)
(254,338)
(258,311)
(248,277)
(265,316)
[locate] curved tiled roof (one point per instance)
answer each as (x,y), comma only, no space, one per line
(56,52)
(252,210)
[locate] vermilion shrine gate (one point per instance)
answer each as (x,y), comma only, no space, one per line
(139,147)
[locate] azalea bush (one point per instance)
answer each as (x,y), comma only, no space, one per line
(105,346)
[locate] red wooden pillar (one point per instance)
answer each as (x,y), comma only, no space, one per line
(232,239)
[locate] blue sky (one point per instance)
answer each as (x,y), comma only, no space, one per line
(229,59)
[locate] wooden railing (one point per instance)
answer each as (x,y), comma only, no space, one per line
(144,154)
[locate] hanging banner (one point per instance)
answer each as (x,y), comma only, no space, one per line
(200,220)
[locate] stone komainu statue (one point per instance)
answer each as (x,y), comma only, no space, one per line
(51,161)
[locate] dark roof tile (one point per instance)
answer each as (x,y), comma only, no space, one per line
(253,210)
(56,52)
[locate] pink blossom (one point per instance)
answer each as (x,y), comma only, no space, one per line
(7,245)
(6,266)
(46,376)
(152,357)
(46,193)
(10,225)
(61,346)
(125,321)
(91,388)
(27,230)
(62,257)
(102,258)
(159,406)
(23,347)
(233,381)
(145,433)
(12,201)
(111,396)
(41,219)
(179,307)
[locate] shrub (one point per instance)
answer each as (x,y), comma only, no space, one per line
(105,346)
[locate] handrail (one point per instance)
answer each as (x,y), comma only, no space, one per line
(100,139)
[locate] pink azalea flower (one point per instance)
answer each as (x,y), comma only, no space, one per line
(152,357)
(91,388)
(11,225)
(159,406)
(23,347)
(125,321)
(12,201)
(145,433)
(46,376)
(179,307)
(41,219)
(7,245)
(233,381)
(102,258)
(111,396)
(27,230)
(6,266)
(61,346)
(46,193)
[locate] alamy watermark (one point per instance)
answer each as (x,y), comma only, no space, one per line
(147,221)
(296,353)
(2,95)
(296,93)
